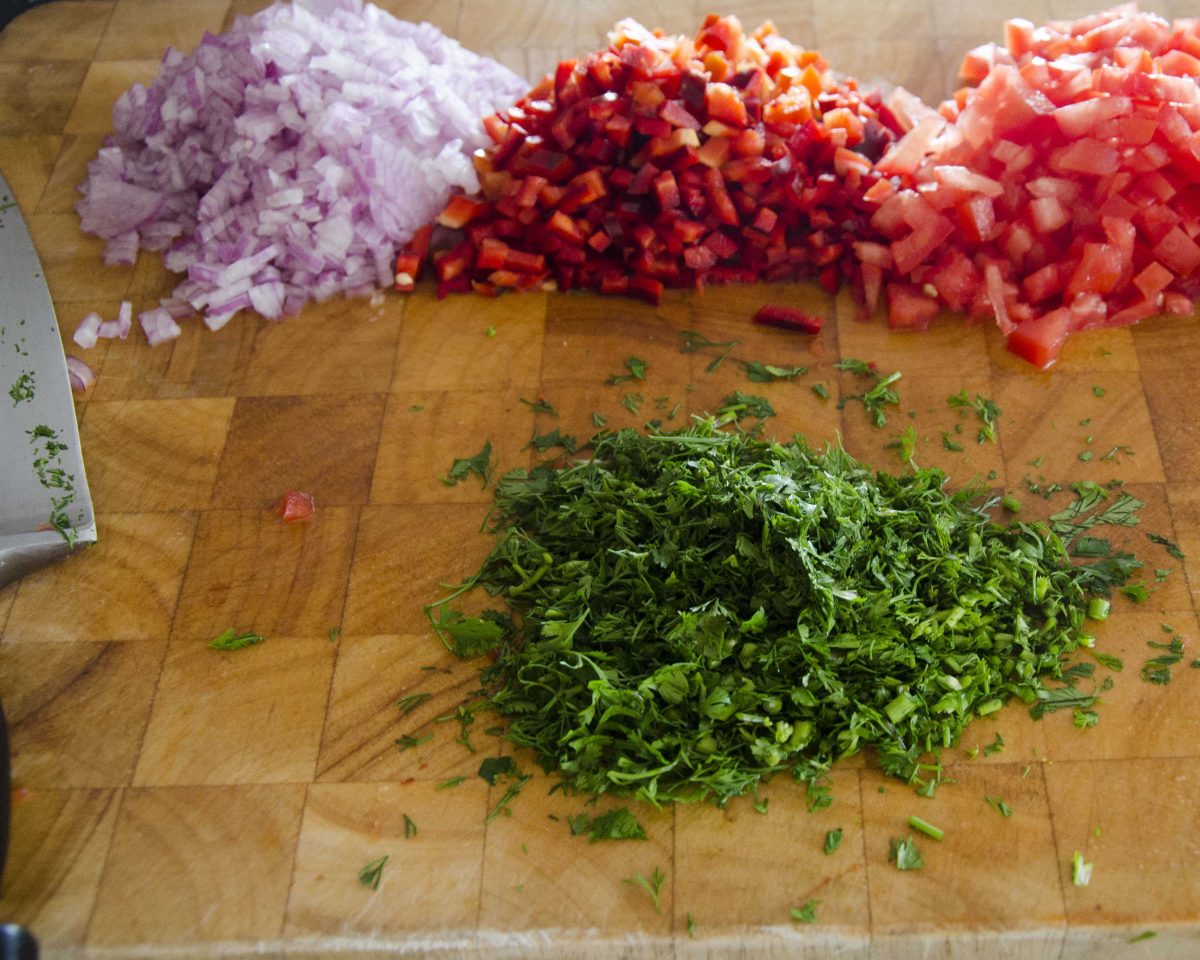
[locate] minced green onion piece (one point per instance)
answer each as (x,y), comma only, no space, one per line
(927,828)
(1081,870)
(1098,608)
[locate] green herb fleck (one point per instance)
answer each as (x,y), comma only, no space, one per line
(833,840)
(985,410)
(372,873)
(540,405)
(463,467)
(230,640)
(653,886)
(410,828)
(22,390)
(807,912)
(1098,391)
(998,804)
(905,855)
(820,390)
(408,742)
(637,371)
(950,444)
(1081,870)
(617,824)
(632,402)
(1144,935)
(1171,548)
(408,704)
(759,372)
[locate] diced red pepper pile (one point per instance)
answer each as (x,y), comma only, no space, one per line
(665,162)
(1060,194)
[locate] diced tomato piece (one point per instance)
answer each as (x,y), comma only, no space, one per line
(909,308)
(1040,339)
(295,506)
(976,218)
(1154,279)
(1085,156)
(1048,214)
(1098,270)
(1178,252)
(787,318)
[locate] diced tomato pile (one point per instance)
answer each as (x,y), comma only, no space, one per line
(665,162)
(1060,193)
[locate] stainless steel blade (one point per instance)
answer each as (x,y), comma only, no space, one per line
(45,507)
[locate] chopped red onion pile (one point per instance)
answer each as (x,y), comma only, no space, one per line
(286,160)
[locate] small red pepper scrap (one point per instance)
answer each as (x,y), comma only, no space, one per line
(787,318)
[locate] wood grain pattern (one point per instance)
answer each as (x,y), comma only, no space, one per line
(177,801)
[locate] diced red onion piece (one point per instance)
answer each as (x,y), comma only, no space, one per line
(158,325)
(80,373)
(88,330)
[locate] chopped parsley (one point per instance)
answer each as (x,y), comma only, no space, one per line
(806,912)
(479,464)
(905,855)
(617,824)
(652,886)
(372,873)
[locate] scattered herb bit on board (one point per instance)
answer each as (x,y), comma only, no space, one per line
(806,912)
(372,873)
(408,742)
(833,840)
(617,824)
(480,465)
(636,368)
(653,886)
(1158,668)
(1081,870)
(905,855)
(410,828)
(985,409)
(689,612)
(998,804)
(408,704)
(878,396)
(232,640)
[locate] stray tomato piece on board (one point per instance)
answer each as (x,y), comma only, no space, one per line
(295,506)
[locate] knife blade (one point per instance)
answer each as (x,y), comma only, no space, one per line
(45,507)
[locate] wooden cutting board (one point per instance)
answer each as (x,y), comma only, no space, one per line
(175,801)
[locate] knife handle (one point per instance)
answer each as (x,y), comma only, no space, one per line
(17,943)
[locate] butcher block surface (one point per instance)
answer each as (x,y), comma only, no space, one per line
(175,801)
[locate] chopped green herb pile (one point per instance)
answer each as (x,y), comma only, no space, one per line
(689,612)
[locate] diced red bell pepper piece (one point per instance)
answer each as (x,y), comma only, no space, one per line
(461,210)
(787,318)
